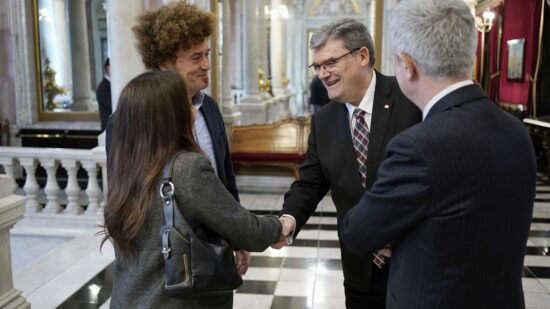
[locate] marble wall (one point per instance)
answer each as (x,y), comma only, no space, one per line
(7,70)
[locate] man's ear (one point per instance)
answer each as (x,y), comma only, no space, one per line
(365,56)
(408,65)
(165,66)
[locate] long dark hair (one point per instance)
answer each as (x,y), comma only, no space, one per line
(153,119)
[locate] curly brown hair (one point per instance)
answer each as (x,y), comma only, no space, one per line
(161,33)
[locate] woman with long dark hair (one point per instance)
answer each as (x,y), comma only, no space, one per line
(152,122)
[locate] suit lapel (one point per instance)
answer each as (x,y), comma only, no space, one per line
(381,112)
(344,137)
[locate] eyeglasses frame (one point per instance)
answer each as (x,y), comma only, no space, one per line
(316,68)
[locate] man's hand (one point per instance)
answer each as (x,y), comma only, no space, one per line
(287,229)
(386,251)
(242,258)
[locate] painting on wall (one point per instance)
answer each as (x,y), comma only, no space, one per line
(515,59)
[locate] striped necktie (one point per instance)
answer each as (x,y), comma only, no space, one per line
(361,143)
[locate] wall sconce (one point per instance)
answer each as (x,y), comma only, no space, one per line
(485,23)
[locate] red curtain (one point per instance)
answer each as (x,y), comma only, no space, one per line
(521,20)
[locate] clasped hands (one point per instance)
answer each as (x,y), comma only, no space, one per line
(288,226)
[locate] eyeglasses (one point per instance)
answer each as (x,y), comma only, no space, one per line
(329,64)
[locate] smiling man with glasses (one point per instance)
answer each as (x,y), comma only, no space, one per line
(346,144)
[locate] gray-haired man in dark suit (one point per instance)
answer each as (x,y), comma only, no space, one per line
(455,193)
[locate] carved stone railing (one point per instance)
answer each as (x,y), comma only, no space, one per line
(80,203)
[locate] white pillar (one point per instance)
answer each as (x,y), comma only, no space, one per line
(237,34)
(125,60)
(11,210)
(82,83)
(387,57)
(296,62)
(278,48)
(230,113)
(252,106)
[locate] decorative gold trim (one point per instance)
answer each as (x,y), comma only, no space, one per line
(45,115)
(378,19)
(37,66)
(46,136)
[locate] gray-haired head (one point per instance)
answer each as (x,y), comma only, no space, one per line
(353,33)
(440,35)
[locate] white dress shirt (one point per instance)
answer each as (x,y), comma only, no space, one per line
(201,133)
(443,93)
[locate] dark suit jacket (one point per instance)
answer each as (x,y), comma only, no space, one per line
(103,94)
(331,163)
(455,196)
(216,128)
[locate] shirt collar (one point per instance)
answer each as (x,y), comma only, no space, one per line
(197,100)
(367,102)
(443,93)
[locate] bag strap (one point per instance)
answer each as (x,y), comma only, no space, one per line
(168,202)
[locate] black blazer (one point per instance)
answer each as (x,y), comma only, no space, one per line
(103,95)
(216,128)
(331,163)
(455,196)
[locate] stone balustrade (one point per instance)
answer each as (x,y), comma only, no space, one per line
(76,202)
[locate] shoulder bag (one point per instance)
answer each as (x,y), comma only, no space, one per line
(196,262)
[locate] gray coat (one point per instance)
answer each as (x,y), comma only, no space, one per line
(203,200)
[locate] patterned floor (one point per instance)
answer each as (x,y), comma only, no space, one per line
(308,274)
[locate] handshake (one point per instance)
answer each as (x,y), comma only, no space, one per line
(288,223)
(288,226)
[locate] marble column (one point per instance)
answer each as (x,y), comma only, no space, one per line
(296,60)
(23,55)
(231,116)
(82,82)
(252,105)
(7,74)
(387,58)
(237,34)
(278,48)
(11,210)
(124,58)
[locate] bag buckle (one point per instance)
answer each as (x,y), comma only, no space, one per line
(166,252)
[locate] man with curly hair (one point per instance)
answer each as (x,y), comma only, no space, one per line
(175,37)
